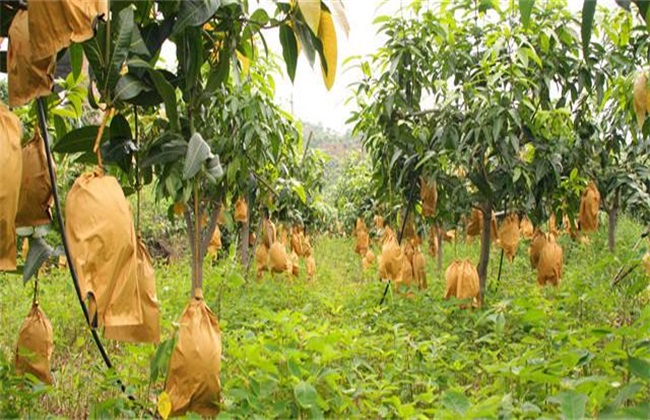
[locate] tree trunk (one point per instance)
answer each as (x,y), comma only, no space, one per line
(485,249)
(440,235)
(613,216)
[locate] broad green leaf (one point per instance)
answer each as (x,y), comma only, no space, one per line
(572,404)
(128,87)
(626,393)
(194,13)
(588,11)
(76,59)
(120,48)
(171,151)
(198,152)
(456,402)
(640,368)
(79,140)
(311,12)
(167,91)
(160,360)
(289,50)
(327,36)
(305,394)
(39,252)
(525,9)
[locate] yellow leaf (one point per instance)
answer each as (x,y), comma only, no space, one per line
(245,63)
(164,405)
(640,97)
(311,12)
(327,35)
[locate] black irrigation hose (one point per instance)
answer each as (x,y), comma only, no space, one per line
(501,259)
(401,233)
(64,238)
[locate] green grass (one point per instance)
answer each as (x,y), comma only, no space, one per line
(294,348)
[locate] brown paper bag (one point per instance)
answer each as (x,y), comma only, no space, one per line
(433,241)
(363,242)
(379,222)
(475,225)
(526,228)
(11,167)
(193,374)
(419,269)
(241,210)
(278,258)
(536,246)
(589,206)
(35,346)
(462,280)
(549,268)
(215,242)
(429,197)
(103,244)
(391,258)
(509,235)
(55,24)
(29,77)
(35,204)
(261,259)
(149,330)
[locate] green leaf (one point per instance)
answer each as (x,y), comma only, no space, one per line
(525,9)
(456,402)
(128,87)
(39,252)
(195,13)
(640,368)
(160,360)
(168,93)
(79,140)
(171,151)
(214,167)
(76,59)
(198,152)
(588,11)
(572,404)
(289,50)
(120,48)
(305,394)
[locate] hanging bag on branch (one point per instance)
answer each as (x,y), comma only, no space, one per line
(268,233)
(428,196)
(419,269)
(261,259)
(391,258)
(149,330)
(363,242)
(55,24)
(30,76)
(589,206)
(461,281)
(509,235)
(526,228)
(549,268)
(11,167)
(103,245)
(241,211)
(278,258)
(193,374)
(215,242)
(35,204)
(35,346)
(536,246)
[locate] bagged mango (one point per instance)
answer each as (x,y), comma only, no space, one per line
(310,262)
(215,242)
(419,269)
(526,228)
(149,330)
(35,204)
(297,242)
(391,259)
(536,246)
(11,168)
(589,206)
(193,373)
(278,258)
(509,235)
(241,210)
(461,280)
(368,260)
(103,245)
(379,222)
(433,241)
(55,24)
(261,259)
(363,242)
(268,233)
(428,196)
(30,77)
(35,346)
(360,225)
(549,268)
(475,225)
(640,97)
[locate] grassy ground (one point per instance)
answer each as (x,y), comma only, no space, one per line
(325,348)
